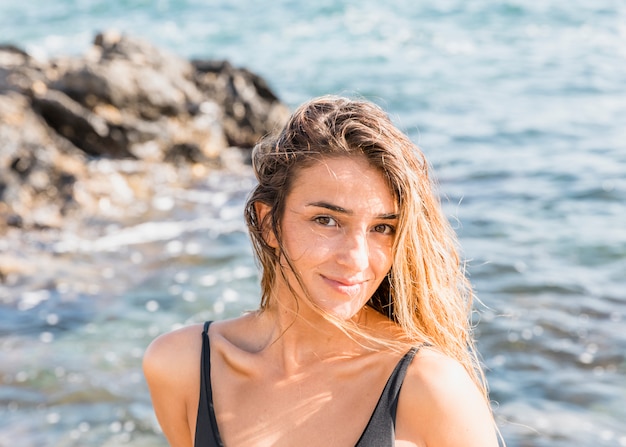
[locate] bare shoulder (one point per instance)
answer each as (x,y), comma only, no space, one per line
(441,405)
(436,374)
(179,351)
(171,365)
(174,350)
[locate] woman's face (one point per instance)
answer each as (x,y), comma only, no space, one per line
(338,230)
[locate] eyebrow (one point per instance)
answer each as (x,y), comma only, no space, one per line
(341,210)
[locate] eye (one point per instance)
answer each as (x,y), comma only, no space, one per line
(326,221)
(385,229)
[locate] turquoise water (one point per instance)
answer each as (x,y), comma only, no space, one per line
(519,106)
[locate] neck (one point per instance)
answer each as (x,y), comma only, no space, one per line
(299,338)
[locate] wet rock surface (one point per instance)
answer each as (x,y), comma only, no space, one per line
(83,138)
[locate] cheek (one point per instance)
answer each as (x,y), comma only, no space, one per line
(382,258)
(318,248)
(304,243)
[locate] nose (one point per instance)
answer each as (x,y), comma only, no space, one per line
(354,251)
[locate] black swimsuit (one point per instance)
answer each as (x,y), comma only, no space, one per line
(379,432)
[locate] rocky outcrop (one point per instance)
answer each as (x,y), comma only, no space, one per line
(80,132)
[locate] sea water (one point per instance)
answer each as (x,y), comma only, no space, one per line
(519,106)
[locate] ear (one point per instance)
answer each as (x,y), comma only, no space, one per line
(262,211)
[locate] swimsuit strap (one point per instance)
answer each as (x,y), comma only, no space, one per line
(380,430)
(207,434)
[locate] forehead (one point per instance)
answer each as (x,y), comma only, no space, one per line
(349,182)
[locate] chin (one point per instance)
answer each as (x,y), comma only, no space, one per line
(344,312)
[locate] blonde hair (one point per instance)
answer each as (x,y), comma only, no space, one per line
(426,291)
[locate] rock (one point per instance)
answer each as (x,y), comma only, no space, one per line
(251,108)
(133,76)
(88,131)
(18,71)
(185,153)
(37,167)
(125,100)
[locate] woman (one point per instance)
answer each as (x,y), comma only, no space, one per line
(362,336)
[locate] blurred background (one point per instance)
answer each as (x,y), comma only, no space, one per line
(520,107)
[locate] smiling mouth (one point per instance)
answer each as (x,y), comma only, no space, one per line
(347,287)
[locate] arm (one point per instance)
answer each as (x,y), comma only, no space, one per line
(440,406)
(171,366)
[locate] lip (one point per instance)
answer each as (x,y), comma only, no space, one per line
(345,286)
